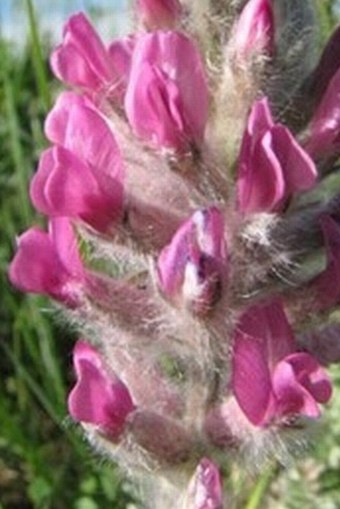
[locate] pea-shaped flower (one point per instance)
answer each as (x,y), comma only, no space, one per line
(99,397)
(167,83)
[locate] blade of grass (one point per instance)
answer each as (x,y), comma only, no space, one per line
(37,57)
(48,353)
(16,148)
(33,386)
(33,337)
(259,491)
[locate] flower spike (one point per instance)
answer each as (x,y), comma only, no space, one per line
(197,192)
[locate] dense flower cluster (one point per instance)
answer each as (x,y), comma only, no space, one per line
(187,159)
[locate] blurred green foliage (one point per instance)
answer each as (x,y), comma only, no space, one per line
(44,462)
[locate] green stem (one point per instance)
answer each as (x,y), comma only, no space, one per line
(33,386)
(37,57)
(260,489)
(16,148)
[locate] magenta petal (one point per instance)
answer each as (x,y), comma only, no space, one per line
(299,383)
(87,402)
(311,375)
(299,170)
(36,267)
(205,488)
(62,235)
(169,63)
(39,180)
(260,118)
(91,139)
(62,184)
(47,263)
(58,118)
(86,180)
(173,259)
(291,398)
(70,185)
(209,225)
(120,53)
(269,380)
(272,165)
(82,59)
(98,397)
(193,265)
(251,382)
(260,184)
(69,66)
(80,32)
(259,122)
(155,110)
(268,323)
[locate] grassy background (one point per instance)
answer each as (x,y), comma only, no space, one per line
(44,462)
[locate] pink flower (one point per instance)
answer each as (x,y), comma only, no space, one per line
(49,263)
(159,13)
(205,489)
(324,139)
(99,397)
(165,109)
(81,177)
(272,165)
(270,380)
(326,286)
(83,61)
(254,30)
(191,269)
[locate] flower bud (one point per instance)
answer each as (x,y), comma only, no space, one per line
(205,489)
(254,30)
(191,269)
